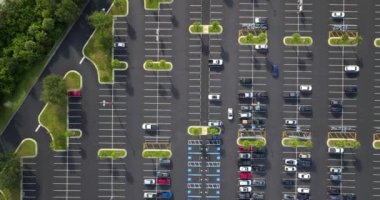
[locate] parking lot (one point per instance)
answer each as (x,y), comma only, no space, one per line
(120,35)
(29,182)
(112,133)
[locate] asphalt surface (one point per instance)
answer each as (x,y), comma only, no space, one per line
(79,174)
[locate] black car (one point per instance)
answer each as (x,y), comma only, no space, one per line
(305,109)
(245,81)
(336,103)
(258,182)
(288,182)
(302,196)
(246,108)
(350,89)
(305,164)
(349,196)
(245,162)
(333,190)
(258,155)
(244,195)
(336,109)
(258,168)
(262,95)
(334,197)
(258,122)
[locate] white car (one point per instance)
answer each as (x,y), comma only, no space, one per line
(335,170)
(150,195)
(303,190)
(230,114)
(304,176)
(119,44)
(149,181)
(337,14)
(149,126)
(215,123)
(214,97)
(290,169)
(245,182)
(261,47)
(290,122)
(245,189)
(305,88)
(335,150)
(245,115)
(304,156)
(292,162)
(351,68)
(245,168)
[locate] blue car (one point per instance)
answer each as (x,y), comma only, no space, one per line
(275,71)
(165,195)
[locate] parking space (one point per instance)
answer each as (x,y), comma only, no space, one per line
(158,33)
(120,34)
(203,171)
(215,52)
(29,182)
(75,112)
(112,134)
(67,172)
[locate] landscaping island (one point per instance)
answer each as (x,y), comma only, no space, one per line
(112,153)
(251,39)
(157,153)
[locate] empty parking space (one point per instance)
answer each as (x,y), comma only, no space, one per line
(112,134)
(29,188)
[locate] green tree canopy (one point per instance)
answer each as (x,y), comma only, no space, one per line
(54,90)
(9,171)
(100,20)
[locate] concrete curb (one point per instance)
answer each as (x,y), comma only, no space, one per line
(110,149)
(297,45)
(22,142)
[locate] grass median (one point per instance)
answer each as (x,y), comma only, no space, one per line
(54,116)
(251,39)
(112,153)
(156,153)
(27,148)
(154,4)
(98,48)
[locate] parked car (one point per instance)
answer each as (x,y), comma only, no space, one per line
(262,95)
(119,45)
(160,174)
(304,176)
(245,175)
(214,97)
(261,47)
(303,190)
(304,155)
(289,197)
(245,115)
(230,114)
(245,182)
(290,169)
(335,170)
(245,81)
(246,108)
(244,195)
(334,150)
(288,182)
(149,126)
(150,195)
(165,162)
(244,156)
(245,189)
(215,123)
(334,197)
(290,122)
(349,196)
(350,89)
(245,162)
(292,162)
(149,181)
(164,181)
(164,195)
(258,196)
(245,169)
(261,20)
(292,95)
(213,62)
(74,93)
(275,71)
(305,88)
(351,69)
(304,164)
(258,168)
(337,14)
(258,182)
(335,177)
(305,109)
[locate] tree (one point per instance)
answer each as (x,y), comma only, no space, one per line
(260,143)
(54,90)
(9,171)
(356,144)
(197,26)
(296,37)
(149,64)
(100,20)
(246,143)
(162,63)
(66,11)
(215,26)
(345,36)
(250,38)
(118,3)
(48,24)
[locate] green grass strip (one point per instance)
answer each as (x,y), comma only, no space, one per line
(112,153)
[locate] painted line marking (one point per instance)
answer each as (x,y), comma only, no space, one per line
(81,61)
(38,127)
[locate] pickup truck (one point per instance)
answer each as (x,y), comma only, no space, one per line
(215,62)
(246,95)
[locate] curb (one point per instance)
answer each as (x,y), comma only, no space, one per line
(298,45)
(158,70)
(252,44)
(28,139)
(161,150)
(110,149)
(263,138)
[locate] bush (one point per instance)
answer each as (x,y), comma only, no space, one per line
(195,130)
(197,27)
(354,144)
(156,154)
(111,153)
(54,90)
(215,27)
(251,39)
(213,131)
(252,142)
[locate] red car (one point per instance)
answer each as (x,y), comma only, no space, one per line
(164,181)
(74,93)
(245,175)
(241,148)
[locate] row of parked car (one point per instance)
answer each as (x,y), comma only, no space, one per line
(161,179)
(247,182)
